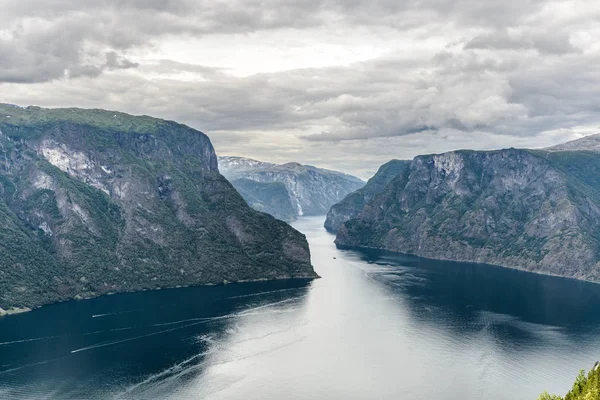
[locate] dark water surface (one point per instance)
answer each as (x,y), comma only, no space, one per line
(375,327)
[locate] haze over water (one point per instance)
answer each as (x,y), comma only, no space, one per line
(374,327)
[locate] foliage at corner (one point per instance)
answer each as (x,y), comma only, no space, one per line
(586,387)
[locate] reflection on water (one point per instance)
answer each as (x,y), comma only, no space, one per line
(375,327)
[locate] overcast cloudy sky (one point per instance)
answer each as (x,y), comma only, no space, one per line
(340,84)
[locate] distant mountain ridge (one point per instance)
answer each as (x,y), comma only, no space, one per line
(239,164)
(587,143)
(310,190)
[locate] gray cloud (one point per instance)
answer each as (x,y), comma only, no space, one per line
(544,42)
(55,39)
(49,37)
(458,91)
(41,54)
(490,73)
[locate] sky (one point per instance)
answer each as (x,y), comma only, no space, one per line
(346,85)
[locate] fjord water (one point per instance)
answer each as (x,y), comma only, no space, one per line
(374,327)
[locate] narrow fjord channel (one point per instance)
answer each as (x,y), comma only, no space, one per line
(374,327)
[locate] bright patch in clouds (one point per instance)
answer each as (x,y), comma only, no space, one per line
(247,55)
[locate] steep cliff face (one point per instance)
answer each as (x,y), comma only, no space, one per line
(95,202)
(269,197)
(353,203)
(531,210)
(312,191)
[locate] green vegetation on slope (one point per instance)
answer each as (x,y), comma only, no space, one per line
(353,203)
(586,387)
(36,116)
(95,202)
(583,168)
(531,210)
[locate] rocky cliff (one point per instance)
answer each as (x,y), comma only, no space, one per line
(587,143)
(532,210)
(312,191)
(95,202)
(269,197)
(353,203)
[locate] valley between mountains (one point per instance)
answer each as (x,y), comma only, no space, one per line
(95,202)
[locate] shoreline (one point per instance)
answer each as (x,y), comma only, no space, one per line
(15,311)
(514,268)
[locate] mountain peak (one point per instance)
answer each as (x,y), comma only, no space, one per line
(292,164)
(587,143)
(232,166)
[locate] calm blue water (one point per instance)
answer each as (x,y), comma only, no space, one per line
(375,327)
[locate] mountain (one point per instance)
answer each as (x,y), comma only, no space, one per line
(95,202)
(269,197)
(587,143)
(353,203)
(586,387)
(532,210)
(311,190)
